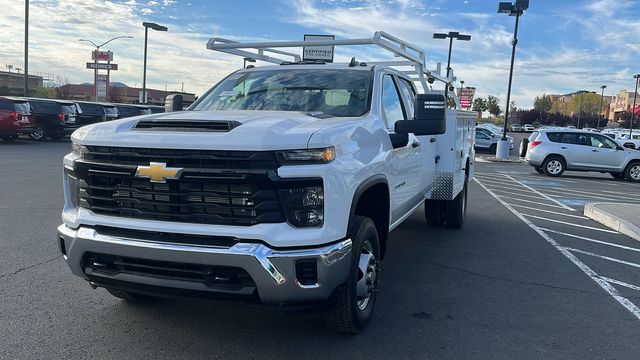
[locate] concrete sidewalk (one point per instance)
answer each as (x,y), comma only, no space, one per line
(624,218)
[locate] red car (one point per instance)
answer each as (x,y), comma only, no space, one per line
(16,118)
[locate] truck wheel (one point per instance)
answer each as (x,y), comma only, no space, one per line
(434,212)
(38,133)
(632,172)
(9,138)
(456,209)
(539,169)
(357,296)
(492,148)
(553,166)
(126,295)
(524,144)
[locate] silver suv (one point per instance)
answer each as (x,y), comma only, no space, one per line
(553,151)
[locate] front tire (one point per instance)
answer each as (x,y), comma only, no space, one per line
(632,172)
(493,148)
(357,296)
(554,166)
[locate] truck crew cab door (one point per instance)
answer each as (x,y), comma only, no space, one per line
(404,161)
(427,142)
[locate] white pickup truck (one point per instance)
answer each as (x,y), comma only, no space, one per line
(279,186)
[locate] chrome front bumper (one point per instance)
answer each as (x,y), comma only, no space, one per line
(272,270)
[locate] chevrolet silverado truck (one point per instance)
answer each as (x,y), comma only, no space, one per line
(278,186)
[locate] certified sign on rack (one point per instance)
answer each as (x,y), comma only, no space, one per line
(318,52)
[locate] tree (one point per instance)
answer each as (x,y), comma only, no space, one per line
(492,106)
(479,105)
(590,103)
(542,103)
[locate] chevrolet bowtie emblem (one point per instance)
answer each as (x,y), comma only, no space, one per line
(158,172)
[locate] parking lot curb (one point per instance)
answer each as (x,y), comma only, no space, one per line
(619,217)
(510,160)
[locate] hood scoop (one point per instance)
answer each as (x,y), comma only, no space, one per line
(187,125)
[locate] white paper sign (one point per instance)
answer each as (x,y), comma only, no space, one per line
(318,52)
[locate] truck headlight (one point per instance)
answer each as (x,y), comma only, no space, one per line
(306,156)
(78,150)
(73,186)
(304,206)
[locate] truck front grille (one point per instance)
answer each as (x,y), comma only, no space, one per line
(215,187)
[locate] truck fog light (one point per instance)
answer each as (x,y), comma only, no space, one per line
(304,207)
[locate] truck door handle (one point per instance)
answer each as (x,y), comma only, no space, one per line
(563,147)
(594,150)
(415,144)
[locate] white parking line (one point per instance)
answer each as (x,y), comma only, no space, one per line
(621,283)
(571,224)
(620,194)
(552,212)
(603,257)
(541,194)
(517,194)
(590,194)
(591,240)
(582,266)
(531,202)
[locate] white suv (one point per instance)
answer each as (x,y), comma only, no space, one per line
(553,151)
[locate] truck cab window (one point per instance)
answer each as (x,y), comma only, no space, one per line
(391,104)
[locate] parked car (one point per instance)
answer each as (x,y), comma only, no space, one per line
(488,140)
(529,127)
(54,118)
(516,127)
(93,112)
(128,110)
(553,151)
(155,109)
(16,118)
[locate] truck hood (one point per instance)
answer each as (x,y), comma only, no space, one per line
(254,130)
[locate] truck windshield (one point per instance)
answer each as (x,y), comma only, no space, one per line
(333,92)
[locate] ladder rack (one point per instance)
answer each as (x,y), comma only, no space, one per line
(412,55)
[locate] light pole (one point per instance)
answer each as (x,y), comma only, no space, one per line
(451,35)
(633,109)
(95,61)
(601,100)
(513,9)
(26,47)
(156,27)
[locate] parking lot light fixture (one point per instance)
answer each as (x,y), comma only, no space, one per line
(633,109)
(601,100)
(156,27)
(513,9)
(451,35)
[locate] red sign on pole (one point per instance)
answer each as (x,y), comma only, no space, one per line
(102,66)
(102,55)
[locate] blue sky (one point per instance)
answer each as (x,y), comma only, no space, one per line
(563,45)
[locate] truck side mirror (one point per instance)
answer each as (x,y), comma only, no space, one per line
(429,118)
(629,145)
(173,102)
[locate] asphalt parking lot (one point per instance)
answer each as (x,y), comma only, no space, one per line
(528,277)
